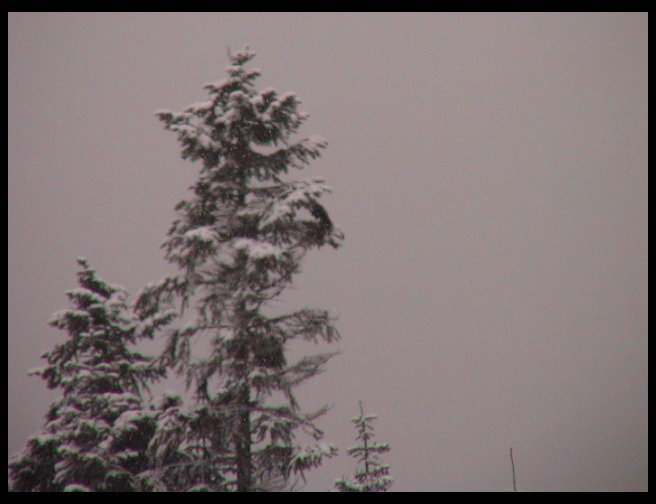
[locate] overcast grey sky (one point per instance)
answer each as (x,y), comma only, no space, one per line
(489,172)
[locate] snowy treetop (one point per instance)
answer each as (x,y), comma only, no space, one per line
(236,115)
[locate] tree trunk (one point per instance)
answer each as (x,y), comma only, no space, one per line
(243,445)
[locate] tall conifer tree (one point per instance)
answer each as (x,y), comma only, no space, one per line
(238,241)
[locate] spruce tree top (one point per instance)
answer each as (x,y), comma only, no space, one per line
(102,377)
(240,204)
(222,130)
(96,357)
(373,475)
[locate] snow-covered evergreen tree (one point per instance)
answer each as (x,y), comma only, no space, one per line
(372,475)
(81,447)
(163,447)
(238,241)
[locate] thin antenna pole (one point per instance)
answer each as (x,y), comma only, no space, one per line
(512,463)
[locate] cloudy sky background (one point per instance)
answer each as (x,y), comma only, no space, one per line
(489,172)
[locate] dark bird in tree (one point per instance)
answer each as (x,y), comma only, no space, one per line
(319,212)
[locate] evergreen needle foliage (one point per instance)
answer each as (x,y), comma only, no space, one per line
(84,445)
(372,475)
(237,243)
